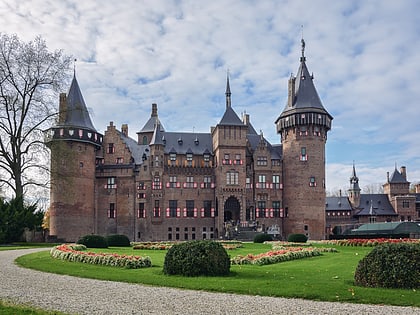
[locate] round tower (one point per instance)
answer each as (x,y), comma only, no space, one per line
(73,142)
(303,127)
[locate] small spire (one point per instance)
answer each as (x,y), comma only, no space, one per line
(302,41)
(74,67)
(228,94)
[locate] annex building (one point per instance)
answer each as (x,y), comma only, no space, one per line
(169,185)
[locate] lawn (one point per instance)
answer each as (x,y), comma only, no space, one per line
(324,278)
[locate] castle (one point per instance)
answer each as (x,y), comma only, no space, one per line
(168,185)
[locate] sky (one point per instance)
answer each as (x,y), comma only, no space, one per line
(364,56)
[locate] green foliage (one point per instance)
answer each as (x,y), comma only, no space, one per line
(15,216)
(93,241)
(261,238)
(197,258)
(297,238)
(118,240)
(390,266)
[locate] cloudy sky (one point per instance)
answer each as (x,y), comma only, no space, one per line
(364,56)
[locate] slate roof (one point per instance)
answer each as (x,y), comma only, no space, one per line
(397,177)
(137,150)
(337,203)
(184,142)
(230,118)
(77,114)
(375,204)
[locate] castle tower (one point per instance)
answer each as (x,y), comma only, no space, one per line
(73,142)
(303,127)
(354,190)
(229,146)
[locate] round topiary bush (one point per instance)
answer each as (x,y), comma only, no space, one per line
(118,240)
(197,258)
(261,238)
(297,238)
(390,266)
(93,241)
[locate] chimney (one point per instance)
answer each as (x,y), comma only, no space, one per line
(245,119)
(387,177)
(62,109)
(154,110)
(291,91)
(403,171)
(124,129)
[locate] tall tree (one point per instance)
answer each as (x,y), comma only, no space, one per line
(30,78)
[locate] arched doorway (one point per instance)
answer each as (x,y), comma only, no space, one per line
(232,209)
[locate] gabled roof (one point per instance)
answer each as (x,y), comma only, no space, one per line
(374,205)
(137,150)
(337,203)
(230,118)
(153,121)
(397,177)
(76,114)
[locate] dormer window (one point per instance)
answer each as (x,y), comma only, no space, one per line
(180,141)
(189,159)
(196,141)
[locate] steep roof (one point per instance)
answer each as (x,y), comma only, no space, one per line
(375,204)
(397,177)
(153,121)
(138,151)
(76,114)
(230,118)
(337,203)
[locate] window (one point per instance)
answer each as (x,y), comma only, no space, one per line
(276,209)
(276,182)
(173,205)
(190,182)
(156,209)
(226,159)
(141,186)
(111,211)
(248,184)
(275,162)
(262,161)
(207,209)
(141,195)
(303,155)
(303,131)
(119,160)
(189,210)
(261,181)
(145,140)
(261,210)
(110,183)
(111,148)
(189,159)
(316,131)
(232,178)
(172,158)
(206,159)
(172,181)
(312,182)
(406,204)
(238,160)
(207,182)
(141,213)
(156,183)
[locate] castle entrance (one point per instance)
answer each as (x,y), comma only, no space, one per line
(232,210)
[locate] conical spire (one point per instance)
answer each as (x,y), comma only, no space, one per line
(354,180)
(76,114)
(228,94)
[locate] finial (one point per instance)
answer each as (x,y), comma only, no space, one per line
(302,41)
(74,67)
(228,94)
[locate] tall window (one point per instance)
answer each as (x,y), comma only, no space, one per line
(206,159)
(189,159)
(156,183)
(261,209)
(248,184)
(141,213)
(303,155)
(276,209)
(190,208)
(276,182)
(172,158)
(172,181)
(232,178)
(111,211)
(190,182)
(173,205)
(226,159)
(312,182)
(261,181)
(406,204)
(111,148)
(110,183)
(207,208)
(207,182)
(238,160)
(156,209)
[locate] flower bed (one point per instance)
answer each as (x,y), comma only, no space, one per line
(370,242)
(276,256)
(228,245)
(74,252)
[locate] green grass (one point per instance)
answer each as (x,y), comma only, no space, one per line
(8,308)
(329,277)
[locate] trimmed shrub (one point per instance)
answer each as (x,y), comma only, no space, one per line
(93,241)
(261,238)
(118,240)
(297,238)
(197,258)
(390,266)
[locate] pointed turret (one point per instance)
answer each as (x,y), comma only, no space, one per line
(230,117)
(354,190)
(228,94)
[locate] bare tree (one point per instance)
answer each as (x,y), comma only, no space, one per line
(373,189)
(30,78)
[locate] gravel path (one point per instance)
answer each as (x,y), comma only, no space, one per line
(86,296)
